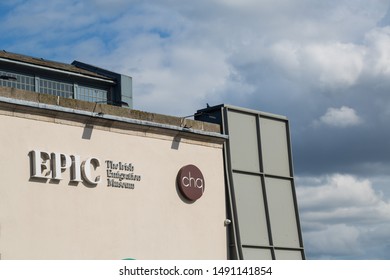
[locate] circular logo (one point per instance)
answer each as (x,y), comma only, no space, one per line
(190,182)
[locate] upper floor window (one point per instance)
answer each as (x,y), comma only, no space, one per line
(53,87)
(91,94)
(56,88)
(10,79)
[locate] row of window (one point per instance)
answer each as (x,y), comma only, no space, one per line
(56,88)
(67,90)
(91,94)
(17,81)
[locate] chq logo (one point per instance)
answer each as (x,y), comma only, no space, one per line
(190,182)
(51,166)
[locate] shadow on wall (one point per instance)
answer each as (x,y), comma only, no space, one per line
(176,142)
(87,131)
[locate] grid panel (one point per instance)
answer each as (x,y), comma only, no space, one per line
(269,214)
(91,94)
(18,81)
(56,88)
(53,87)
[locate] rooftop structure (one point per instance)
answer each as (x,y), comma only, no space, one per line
(77,80)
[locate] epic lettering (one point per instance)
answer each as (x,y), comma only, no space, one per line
(51,165)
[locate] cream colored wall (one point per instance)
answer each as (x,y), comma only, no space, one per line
(60,221)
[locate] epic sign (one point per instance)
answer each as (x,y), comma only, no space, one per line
(190,182)
(46,166)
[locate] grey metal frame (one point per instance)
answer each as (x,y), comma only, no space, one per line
(290,245)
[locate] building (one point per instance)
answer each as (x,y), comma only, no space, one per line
(77,80)
(82,179)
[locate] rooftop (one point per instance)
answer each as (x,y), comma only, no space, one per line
(13,57)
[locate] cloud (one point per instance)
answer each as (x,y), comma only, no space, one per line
(319,65)
(256,53)
(339,191)
(333,241)
(340,117)
(378,59)
(342,216)
(336,64)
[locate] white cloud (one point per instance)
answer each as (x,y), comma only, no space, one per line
(342,215)
(339,191)
(342,198)
(335,64)
(378,59)
(340,117)
(329,65)
(334,240)
(178,78)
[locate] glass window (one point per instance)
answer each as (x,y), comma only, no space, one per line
(15,80)
(53,87)
(56,88)
(91,94)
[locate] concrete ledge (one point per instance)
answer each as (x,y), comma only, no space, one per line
(105,115)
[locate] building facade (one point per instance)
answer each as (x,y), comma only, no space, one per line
(82,179)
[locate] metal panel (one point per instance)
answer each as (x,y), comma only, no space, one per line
(275,147)
(288,255)
(250,210)
(127,90)
(243,142)
(257,254)
(282,212)
(260,182)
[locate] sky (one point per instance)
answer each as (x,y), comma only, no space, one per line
(323,64)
